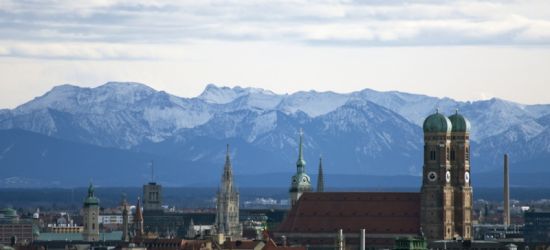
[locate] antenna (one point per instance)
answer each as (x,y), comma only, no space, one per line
(152,164)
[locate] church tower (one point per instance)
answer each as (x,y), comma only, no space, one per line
(91,216)
(300,182)
(437,211)
(320,177)
(227,206)
(460,165)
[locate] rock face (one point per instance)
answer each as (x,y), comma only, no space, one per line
(364,132)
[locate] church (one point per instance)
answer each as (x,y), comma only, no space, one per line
(442,210)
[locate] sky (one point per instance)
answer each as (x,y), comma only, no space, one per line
(466,50)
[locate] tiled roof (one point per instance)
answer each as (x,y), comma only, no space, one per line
(377,212)
(240,244)
(110,236)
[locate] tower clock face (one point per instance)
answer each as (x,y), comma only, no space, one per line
(432,176)
(448,176)
(467,177)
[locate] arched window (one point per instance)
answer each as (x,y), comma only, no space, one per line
(432,155)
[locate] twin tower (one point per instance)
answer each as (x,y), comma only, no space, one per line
(446,193)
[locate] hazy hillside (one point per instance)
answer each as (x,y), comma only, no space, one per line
(117,128)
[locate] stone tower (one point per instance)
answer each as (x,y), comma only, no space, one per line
(320,177)
(227,206)
(125,219)
(300,182)
(437,211)
(91,216)
(152,194)
(460,173)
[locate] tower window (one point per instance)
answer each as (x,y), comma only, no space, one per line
(467,153)
(432,155)
(453,155)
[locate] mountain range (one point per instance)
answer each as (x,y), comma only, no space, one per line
(113,133)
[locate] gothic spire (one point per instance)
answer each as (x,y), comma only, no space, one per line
(227,158)
(227,171)
(320,177)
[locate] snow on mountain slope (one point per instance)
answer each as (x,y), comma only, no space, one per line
(370,129)
(313,103)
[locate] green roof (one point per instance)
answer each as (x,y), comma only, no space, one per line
(459,123)
(437,123)
(8,212)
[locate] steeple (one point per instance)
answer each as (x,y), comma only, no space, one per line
(300,182)
(227,203)
(320,177)
(227,177)
(138,220)
(91,190)
(301,163)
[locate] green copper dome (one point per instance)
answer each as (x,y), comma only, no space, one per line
(437,123)
(91,199)
(460,124)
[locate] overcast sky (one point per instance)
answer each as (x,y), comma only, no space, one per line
(467,50)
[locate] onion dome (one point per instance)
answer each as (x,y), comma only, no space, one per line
(436,123)
(460,124)
(91,199)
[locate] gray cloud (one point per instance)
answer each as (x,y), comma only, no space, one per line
(328,22)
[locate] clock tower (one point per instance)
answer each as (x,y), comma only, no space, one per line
(437,194)
(300,182)
(460,162)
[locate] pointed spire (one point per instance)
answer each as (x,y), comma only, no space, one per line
(227,157)
(139,215)
(301,163)
(320,177)
(91,190)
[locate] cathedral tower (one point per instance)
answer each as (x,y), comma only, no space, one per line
(437,211)
(227,206)
(460,165)
(91,216)
(300,182)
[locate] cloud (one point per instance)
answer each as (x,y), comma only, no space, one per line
(325,22)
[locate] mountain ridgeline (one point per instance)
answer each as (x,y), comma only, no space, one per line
(111,133)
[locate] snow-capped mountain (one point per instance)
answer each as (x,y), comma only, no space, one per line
(366,131)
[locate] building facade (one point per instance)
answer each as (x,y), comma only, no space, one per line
(152,197)
(227,203)
(91,216)
(442,210)
(446,192)
(300,182)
